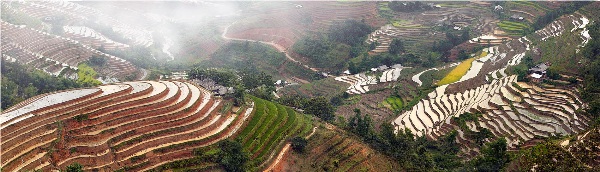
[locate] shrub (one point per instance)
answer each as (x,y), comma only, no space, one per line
(298,144)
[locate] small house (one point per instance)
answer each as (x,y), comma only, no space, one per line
(538,72)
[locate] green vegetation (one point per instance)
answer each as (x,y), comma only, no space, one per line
(515,28)
(256,83)
(86,75)
(550,16)
(397,47)
(452,39)
(394,103)
(253,56)
(530,4)
(232,156)
(548,156)
(75,167)
(591,74)
(384,10)
(320,107)
(493,157)
(80,118)
(413,154)
(270,125)
(343,40)
(20,83)
(298,144)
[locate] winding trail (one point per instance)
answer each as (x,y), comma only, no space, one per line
(284,151)
(277,46)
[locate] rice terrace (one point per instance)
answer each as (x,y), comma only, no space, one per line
(300,86)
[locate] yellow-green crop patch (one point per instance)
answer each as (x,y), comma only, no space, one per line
(393,102)
(514,28)
(457,72)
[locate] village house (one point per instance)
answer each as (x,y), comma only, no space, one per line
(538,72)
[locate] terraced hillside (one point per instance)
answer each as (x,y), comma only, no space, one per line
(53,54)
(271,125)
(416,29)
(73,13)
(520,111)
(331,149)
(138,126)
(130,126)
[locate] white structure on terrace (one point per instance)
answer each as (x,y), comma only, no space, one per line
(358,83)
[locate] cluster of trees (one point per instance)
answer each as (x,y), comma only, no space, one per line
(421,154)
(227,153)
(321,52)
(318,106)
(232,156)
(452,39)
(521,69)
(254,56)
(75,167)
(342,41)
(254,82)
(97,61)
(86,75)
(591,74)
(299,144)
(404,6)
(20,83)
(479,136)
(396,47)
(548,156)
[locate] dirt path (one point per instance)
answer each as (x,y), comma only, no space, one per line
(277,46)
(284,151)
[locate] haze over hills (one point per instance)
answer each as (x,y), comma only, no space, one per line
(300,86)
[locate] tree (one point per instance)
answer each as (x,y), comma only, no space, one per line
(396,47)
(97,61)
(373,45)
(30,90)
(493,158)
(528,61)
(75,167)
(232,156)
(465,35)
(349,32)
(320,107)
(353,68)
(298,144)
(462,55)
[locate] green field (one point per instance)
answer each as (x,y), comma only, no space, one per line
(530,4)
(271,125)
(394,103)
(514,28)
